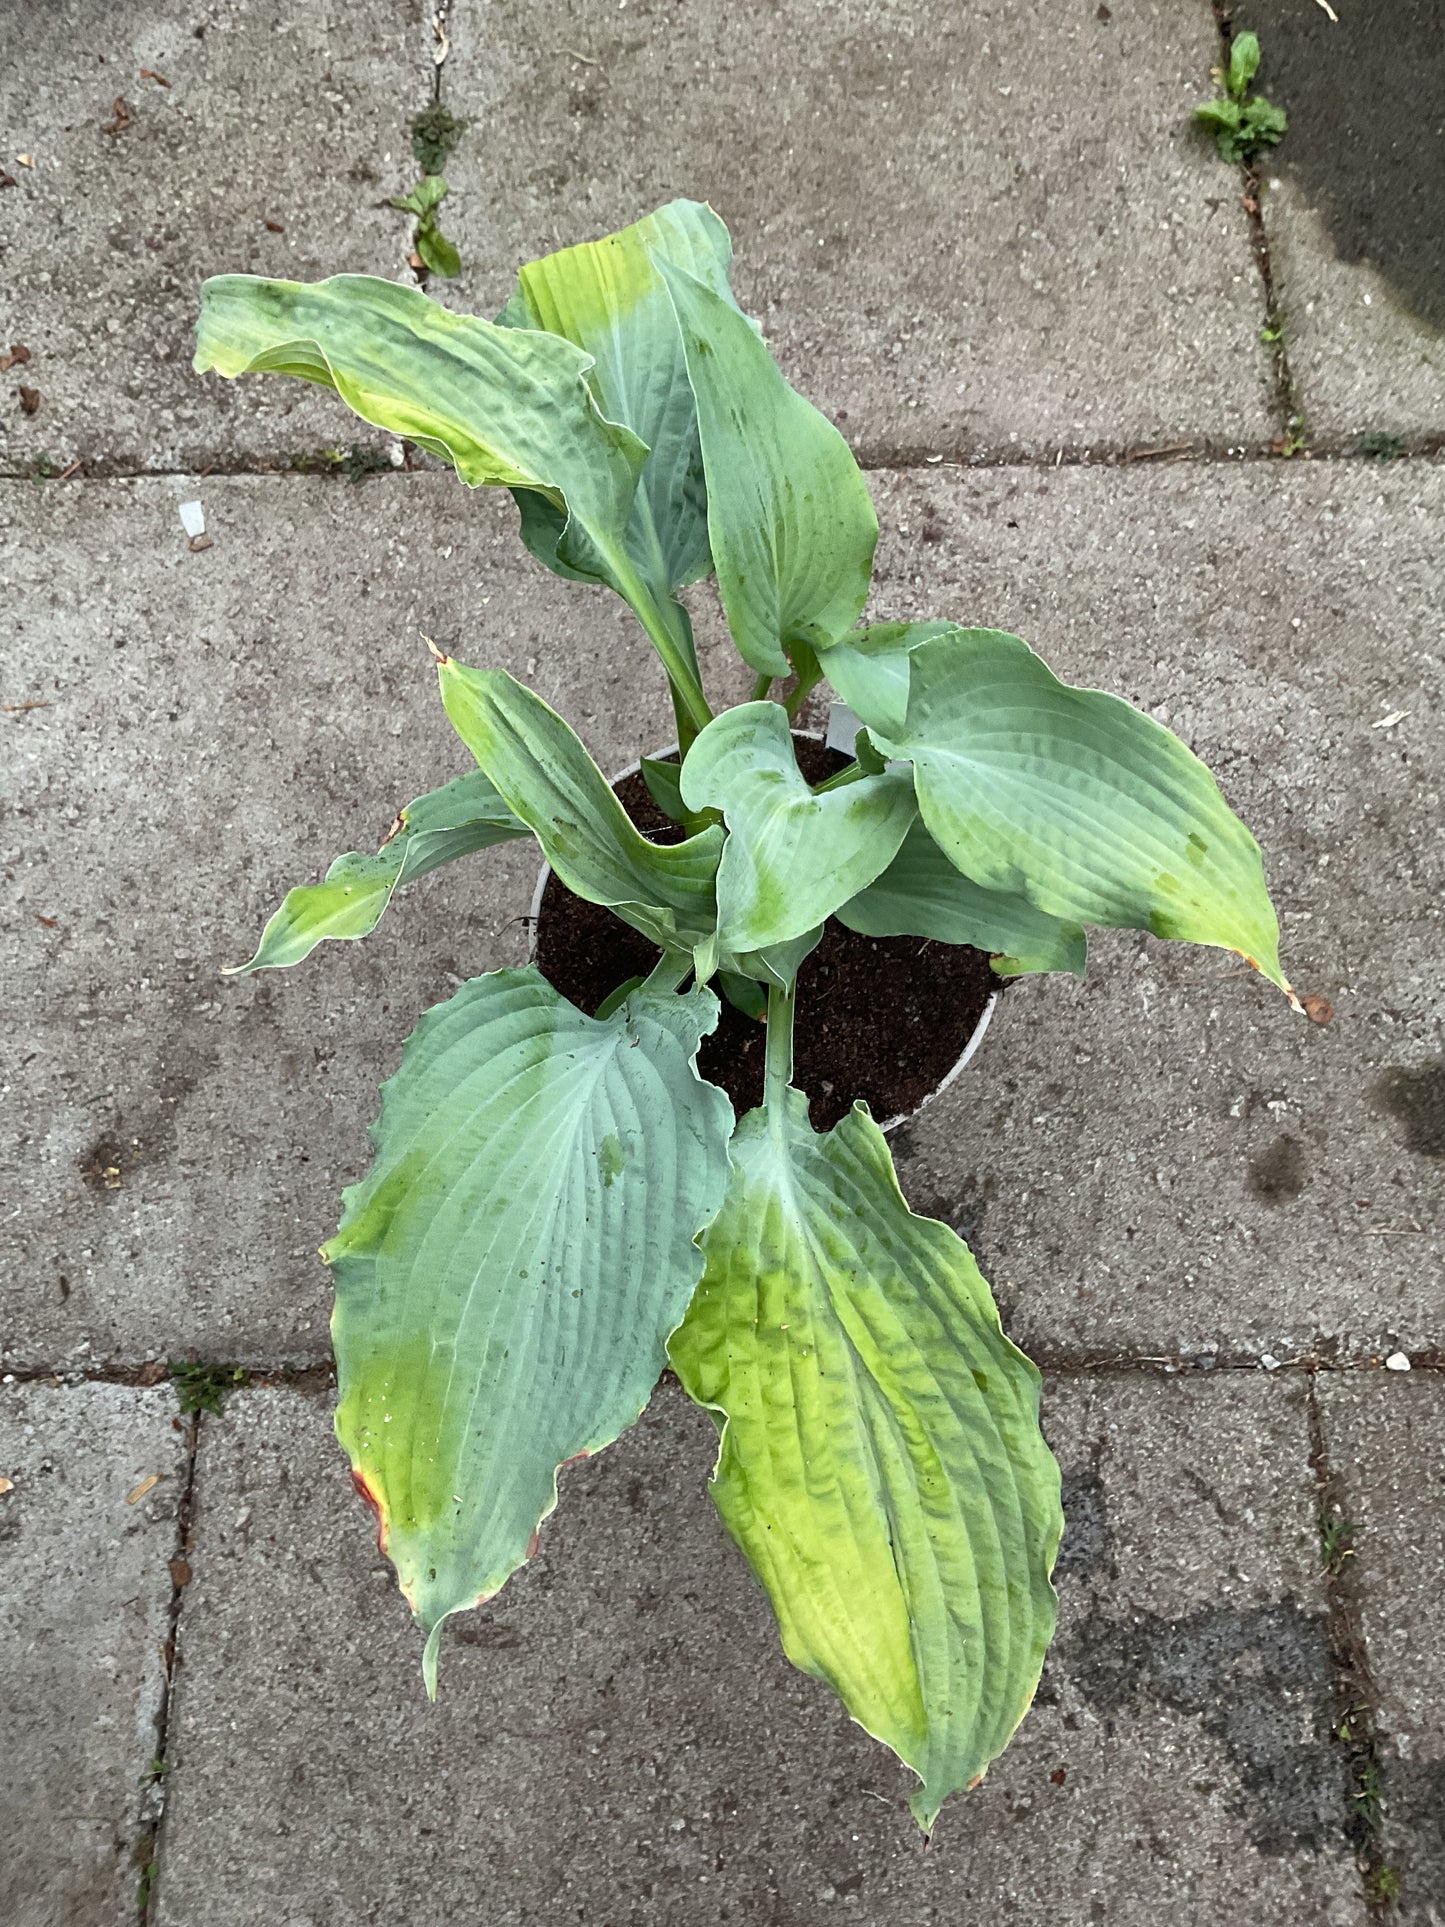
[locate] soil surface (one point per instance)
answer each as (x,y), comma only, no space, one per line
(881,1018)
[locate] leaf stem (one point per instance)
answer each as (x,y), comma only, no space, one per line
(678,659)
(760,689)
(670,971)
(851,773)
(778,1063)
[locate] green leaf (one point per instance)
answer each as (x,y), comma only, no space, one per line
(1077,801)
(508,1273)
(1222,115)
(744,994)
(505,405)
(869,669)
(922,894)
(550,782)
(881,1463)
(429,193)
(437,828)
(607,297)
(790,519)
(664,785)
(1243,64)
(1264,125)
(436,250)
(791,856)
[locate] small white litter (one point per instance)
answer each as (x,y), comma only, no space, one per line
(1388,722)
(1397,1362)
(1269,1361)
(193,519)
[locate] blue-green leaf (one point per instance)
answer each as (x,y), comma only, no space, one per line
(881,1463)
(790,519)
(437,828)
(922,894)
(508,1273)
(792,856)
(553,786)
(1077,801)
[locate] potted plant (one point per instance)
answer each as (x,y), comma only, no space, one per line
(560,1204)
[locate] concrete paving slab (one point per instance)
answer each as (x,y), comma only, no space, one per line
(1385,1434)
(986,230)
(1164,1158)
(618,1738)
(1354,207)
(85,1594)
(217,726)
(1161,1159)
(280,129)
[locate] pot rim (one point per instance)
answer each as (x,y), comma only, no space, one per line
(960,1063)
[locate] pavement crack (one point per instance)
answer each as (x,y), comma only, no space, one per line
(149,1845)
(882,459)
(1291,441)
(1356,1724)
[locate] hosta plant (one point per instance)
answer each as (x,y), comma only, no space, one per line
(559,1205)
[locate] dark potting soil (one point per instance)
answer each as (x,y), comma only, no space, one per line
(881,1018)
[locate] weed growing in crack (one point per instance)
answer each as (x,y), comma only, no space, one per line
(1240,121)
(1382,1885)
(434,135)
(203,1388)
(1336,1534)
(1375,445)
(355,462)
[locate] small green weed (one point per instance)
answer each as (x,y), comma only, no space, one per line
(1377,446)
(1382,1884)
(143,1889)
(355,463)
(1241,123)
(433,249)
(1336,1533)
(1369,1796)
(203,1388)
(434,135)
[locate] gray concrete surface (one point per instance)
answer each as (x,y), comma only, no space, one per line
(618,1738)
(1386,1440)
(275,111)
(1161,1159)
(85,1595)
(990,229)
(1354,208)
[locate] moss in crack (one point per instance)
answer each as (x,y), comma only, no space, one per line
(203,1388)
(434,136)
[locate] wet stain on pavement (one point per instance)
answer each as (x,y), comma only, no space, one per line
(1088,1546)
(1415,1097)
(1278,1175)
(1366,139)
(1258,1680)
